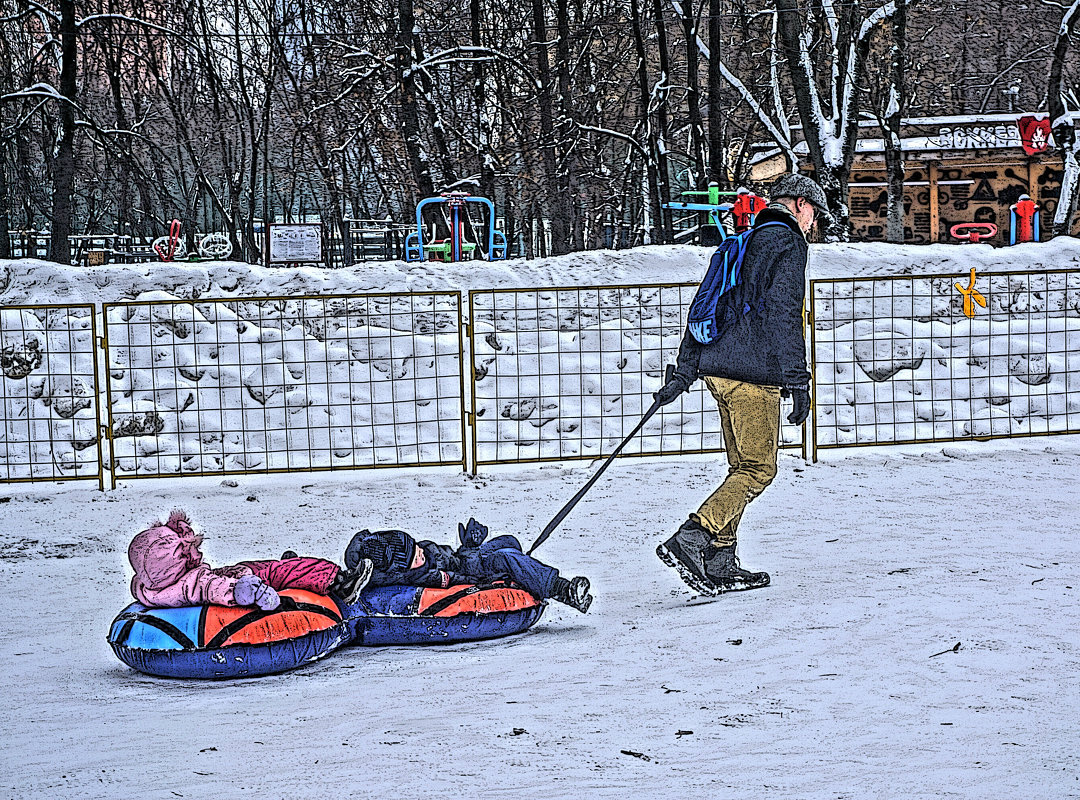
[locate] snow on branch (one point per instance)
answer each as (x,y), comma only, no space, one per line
(615,134)
(781,138)
(879,15)
(132,20)
(42,10)
(1068,18)
(20,15)
(467,54)
(830,18)
(846,106)
(39,90)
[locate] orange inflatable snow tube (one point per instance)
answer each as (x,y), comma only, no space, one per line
(456,600)
(226,625)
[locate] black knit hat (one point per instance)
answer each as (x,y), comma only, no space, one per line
(389,551)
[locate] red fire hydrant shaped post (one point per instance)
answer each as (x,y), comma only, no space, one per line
(1024,220)
(746,206)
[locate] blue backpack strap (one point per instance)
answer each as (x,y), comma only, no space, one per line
(723,274)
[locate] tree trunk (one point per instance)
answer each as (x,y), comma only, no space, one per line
(410,114)
(569,181)
(483,120)
(1064,131)
(5,203)
(442,147)
(894,156)
(693,95)
(552,207)
(831,171)
(717,157)
(63,183)
(654,232)
(662,128)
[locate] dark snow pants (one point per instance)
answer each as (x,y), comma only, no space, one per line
(503,556)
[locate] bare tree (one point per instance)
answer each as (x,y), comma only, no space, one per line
(1061,122)
(825,54)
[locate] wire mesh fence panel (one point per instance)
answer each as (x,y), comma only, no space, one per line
(48,394)
(566,373)
(285,384)
(945,357)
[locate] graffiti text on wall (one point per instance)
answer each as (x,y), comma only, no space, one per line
(971,137)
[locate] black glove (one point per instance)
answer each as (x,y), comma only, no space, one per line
(670,391)
(473,534)
(800,402)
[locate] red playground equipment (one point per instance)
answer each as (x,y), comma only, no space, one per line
(973,232)
(1024,220)
(745,208)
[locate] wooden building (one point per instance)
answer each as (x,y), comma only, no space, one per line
(958,170)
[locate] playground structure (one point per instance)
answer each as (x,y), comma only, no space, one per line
(457,246)
(746,207)
(743,209)
(973,232)
(1024,220)
(713,206)
(210,246)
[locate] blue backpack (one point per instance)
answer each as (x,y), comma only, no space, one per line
(703,322)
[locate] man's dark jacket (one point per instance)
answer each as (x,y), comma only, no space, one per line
(761,326)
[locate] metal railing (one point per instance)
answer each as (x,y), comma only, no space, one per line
(565,373)
(943,358)
(285,384)
(257,385)
(49,392)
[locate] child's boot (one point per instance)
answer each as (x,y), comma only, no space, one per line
(574,593)
(348,583)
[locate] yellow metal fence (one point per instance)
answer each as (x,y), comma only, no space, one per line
(258,385)
(284,384)
(49,394)
(945,358)
(566,373)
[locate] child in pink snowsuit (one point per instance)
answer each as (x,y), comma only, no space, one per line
(170,572)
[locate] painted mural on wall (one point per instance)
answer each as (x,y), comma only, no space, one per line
(967,193)
(869,206)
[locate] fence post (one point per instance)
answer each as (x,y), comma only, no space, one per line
(813,377)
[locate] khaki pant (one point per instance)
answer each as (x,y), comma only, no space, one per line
(750,419)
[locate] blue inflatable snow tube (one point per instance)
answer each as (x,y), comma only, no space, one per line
(408,615)
(228,642)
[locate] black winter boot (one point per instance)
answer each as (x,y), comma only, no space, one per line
(725,574)
(683,553)
(573,592)
(348,583)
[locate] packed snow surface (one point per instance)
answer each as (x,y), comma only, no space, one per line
(826,684)
(919,638)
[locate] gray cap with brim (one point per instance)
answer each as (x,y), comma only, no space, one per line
(793,184)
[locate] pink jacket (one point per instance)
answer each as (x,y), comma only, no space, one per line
(170,571)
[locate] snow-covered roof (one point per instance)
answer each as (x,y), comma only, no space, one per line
(968,119)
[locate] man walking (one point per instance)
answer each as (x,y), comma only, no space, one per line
(757,356)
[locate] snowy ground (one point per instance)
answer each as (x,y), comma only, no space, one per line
(824,685)
(838,681)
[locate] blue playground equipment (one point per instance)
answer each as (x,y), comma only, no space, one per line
(452,249)
(713,206)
